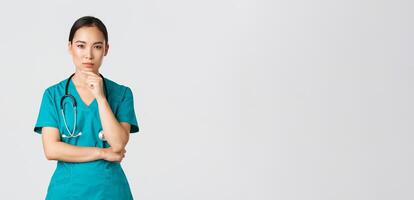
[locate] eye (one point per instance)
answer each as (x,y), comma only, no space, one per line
(80,46)
(98,47)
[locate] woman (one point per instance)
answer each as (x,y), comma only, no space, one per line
(85,121)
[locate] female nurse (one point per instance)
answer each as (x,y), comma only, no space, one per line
(85,121)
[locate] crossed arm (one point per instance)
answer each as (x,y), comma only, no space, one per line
(55,149)
(117,135)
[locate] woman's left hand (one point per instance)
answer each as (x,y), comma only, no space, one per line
(94,84)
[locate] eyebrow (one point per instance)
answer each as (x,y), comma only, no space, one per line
(80,41)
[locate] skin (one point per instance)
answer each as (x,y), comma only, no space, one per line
(88,48)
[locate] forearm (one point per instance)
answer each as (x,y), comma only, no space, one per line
(114,133)
(70,153)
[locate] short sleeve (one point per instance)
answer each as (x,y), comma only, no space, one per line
(48,115)
(126,111)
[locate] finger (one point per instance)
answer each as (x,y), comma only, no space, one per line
(93,79)
(92,74)
(91,83)
(89,72)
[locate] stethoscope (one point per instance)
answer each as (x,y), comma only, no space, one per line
(74,106)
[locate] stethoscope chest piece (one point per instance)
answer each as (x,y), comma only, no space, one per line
(101,136)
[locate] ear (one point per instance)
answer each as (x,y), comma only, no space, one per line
(106,49)
(69,47)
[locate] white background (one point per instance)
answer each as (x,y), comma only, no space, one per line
(241,99)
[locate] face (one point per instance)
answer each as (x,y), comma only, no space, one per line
(88,48)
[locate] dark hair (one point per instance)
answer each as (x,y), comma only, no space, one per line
(88,21)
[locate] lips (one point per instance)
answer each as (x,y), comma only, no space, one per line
(88,64)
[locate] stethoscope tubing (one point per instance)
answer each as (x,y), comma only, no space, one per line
(74,107)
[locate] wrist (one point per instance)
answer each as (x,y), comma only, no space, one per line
(100,99)
(101,153)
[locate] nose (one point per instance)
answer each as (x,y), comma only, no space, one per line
(88,54)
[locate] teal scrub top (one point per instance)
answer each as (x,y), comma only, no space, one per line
(99,179)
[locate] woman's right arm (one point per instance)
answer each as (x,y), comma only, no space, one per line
(54,149)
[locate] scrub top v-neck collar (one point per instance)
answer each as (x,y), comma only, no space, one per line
(81,103)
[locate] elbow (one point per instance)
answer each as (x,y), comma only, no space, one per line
(50,156)
(118,147)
